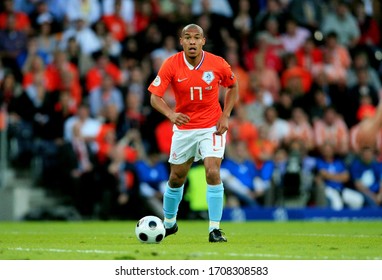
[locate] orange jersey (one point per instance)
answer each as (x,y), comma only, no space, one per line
(196,88)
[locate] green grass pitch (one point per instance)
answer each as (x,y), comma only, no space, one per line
(115,240)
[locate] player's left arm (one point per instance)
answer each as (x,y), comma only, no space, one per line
(230,99)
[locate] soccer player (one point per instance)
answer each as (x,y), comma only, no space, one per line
(200,123)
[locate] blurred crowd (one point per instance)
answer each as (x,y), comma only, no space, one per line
(74,77)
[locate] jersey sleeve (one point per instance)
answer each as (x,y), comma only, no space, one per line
(228,77)
(162,80)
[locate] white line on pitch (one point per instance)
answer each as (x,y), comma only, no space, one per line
(65,251)
(334,235)
(193,254)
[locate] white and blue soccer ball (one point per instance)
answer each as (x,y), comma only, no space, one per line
(150,229)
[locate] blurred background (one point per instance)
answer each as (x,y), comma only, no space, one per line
(80,141)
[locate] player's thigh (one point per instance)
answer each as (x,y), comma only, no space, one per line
(184,146)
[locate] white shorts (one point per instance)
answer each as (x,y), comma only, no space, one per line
(196,143)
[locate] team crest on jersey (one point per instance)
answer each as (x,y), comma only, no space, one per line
(156,82)
(208,76)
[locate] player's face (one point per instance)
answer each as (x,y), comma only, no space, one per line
(192,42)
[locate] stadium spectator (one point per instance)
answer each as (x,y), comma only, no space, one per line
(293,175)
(116,24)
(10,90)
(232,57)
(218,7)
(238,174)
(76,177)
(90,126)
(107,142)
(300,130)
(267,77)
(48,129)
(27,116)
(41,14)
(104,95)
(89,9)
(166,50)
(295,79)
(103,66)
(58,10)
(285,105)
(309,54)
(13,42)
(153,174)
(243,22)
(242,129)
(332,176)
(308,13)
(258,99)
(131,117)
(361,60)
(361,93)
(118,188)
(261,53)
(36,66)
(272,32)
(343,23)
(332,93)
(145,13)
(21,19)
(370,36)
(273,9)
(332,129)
(294,36)
(109,45)
(61,67)
(81,61)
(31,50)
(366,174)
(46,37)
(84,35)
(127,9)
(263,148)
(336,60)
(278,129)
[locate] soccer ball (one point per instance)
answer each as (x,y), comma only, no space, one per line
(150,229)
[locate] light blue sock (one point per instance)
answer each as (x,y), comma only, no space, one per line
(171,200)
(215,196)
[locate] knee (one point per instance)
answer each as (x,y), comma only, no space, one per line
(176,181)
(213,176)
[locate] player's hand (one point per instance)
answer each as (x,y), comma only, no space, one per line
(222,125)
(179,119)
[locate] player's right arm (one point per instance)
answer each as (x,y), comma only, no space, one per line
(161,106)
(158,88)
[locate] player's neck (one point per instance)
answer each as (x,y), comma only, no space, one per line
(194,61)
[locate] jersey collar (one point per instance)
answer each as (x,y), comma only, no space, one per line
(192,67)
